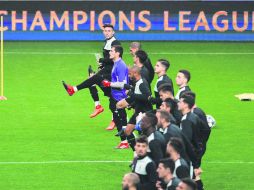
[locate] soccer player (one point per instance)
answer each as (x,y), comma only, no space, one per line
(165,172)
(160,69)
(176,150)
(205,130)
(191,127)
(169,106)
(138,99)
(130,181)
(139,59)
(170,131)
(187,184)
(119,75)
(182,79)
(134,47)
(156,141)
(190,122)
(169,102)
(144,166)
(105,68)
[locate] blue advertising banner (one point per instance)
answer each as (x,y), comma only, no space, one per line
(133,20)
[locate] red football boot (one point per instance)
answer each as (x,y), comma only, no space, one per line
(98,109)
(69,89)
(123,145)
(111,126)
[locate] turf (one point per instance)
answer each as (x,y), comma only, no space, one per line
(39,122)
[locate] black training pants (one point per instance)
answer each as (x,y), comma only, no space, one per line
(96,80)
(119,116)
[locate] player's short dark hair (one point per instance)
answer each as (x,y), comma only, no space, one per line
(190,93)
(166,87)
(108,25)
(118,49)
(165,63)
(152,118)
(169,103)
(142,139)
(178,145)
(188,100)
(186,74)
(168,163)
(142,55)
(190,183)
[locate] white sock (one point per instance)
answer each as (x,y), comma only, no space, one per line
(97,103)
(75,88)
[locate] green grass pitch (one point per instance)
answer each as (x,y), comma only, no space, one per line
(40,123)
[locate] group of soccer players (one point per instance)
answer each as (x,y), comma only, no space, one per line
(172,141)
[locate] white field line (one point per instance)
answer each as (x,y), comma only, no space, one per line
(47,53)
(105,162)
(153,53)
(65,162)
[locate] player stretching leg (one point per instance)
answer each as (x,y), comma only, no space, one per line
(104,72)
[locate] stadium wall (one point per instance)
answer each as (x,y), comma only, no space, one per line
(133,20)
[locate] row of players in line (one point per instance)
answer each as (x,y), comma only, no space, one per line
(113,78)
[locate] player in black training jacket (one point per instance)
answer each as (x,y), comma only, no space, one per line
(139,59)
(182,78)
(104,72)
(176,150)
(144,166)
(156,141)
(137,98)
(160,69)
(191,126)
(170,130)
(165,172)
(205,129)
(166,95)
(134,47)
